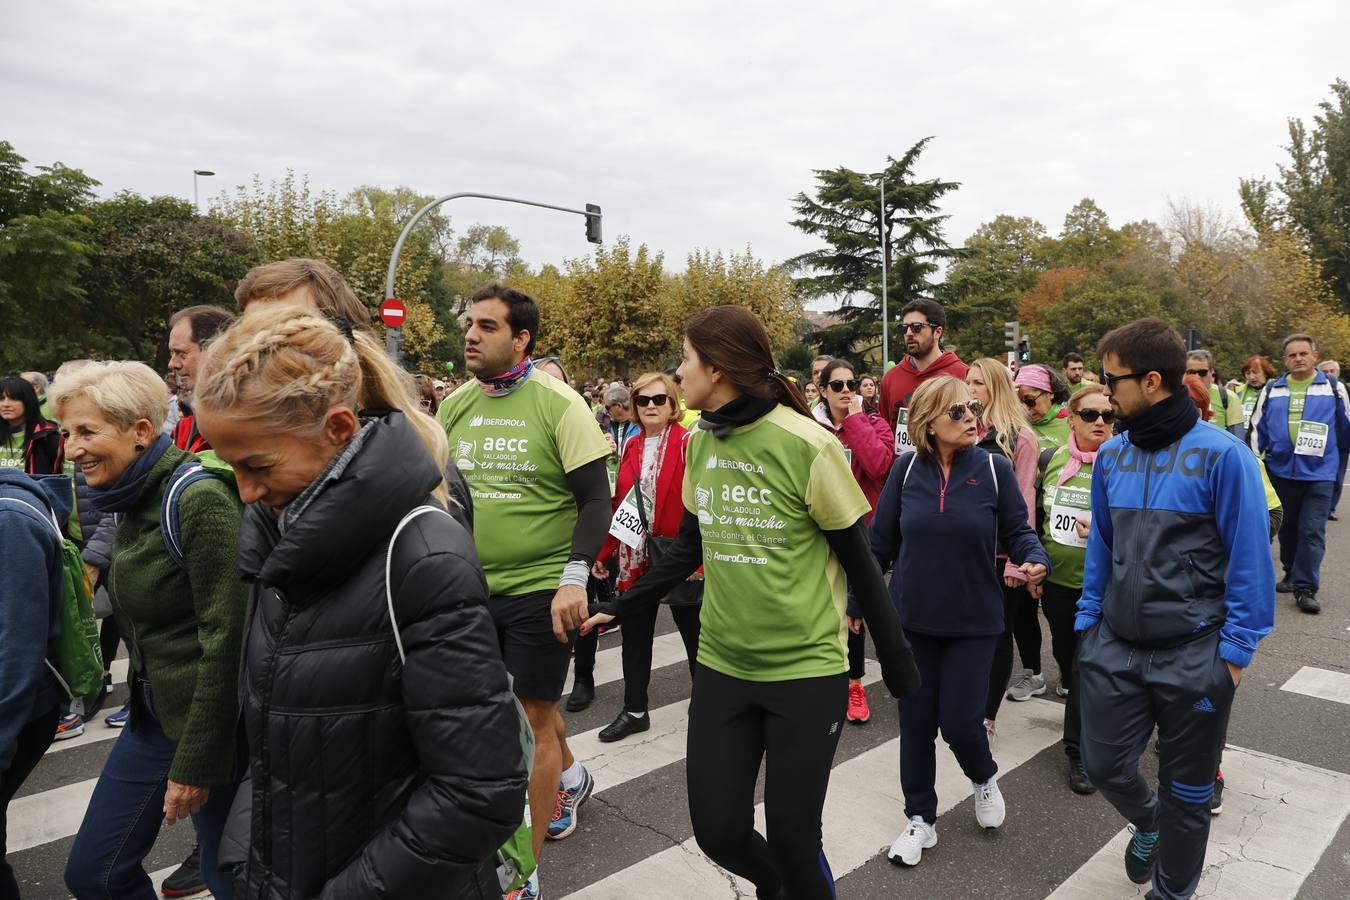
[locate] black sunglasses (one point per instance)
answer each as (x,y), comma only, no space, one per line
(957,411)
(1092,415)
(838,385)
(1030,402)
(916,327)
(1110,380)
(653,400)
(1201,372)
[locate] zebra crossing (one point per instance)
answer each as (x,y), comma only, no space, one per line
(634,839)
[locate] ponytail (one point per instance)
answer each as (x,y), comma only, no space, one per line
(733,341)
(789,394)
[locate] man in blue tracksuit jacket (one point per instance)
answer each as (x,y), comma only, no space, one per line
(1178,589)
(1301,425)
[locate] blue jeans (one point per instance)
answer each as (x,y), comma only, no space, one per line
(127,809)
(1303,534)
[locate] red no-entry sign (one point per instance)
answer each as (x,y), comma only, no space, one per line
(393,312)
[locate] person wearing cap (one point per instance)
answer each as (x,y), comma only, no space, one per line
(1044,393)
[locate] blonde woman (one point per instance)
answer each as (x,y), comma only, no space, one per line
(945,508)
(182,623)
(372,772)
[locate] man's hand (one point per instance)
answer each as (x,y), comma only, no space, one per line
(569,610)
(182,801)
(1234,672)
(855,624)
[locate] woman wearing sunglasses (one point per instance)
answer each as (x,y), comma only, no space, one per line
(1005,431)
(655,465)
(868,443)
(1043,392)
(943,512)
(1065,489)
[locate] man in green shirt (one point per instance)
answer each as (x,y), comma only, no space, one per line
(1226,405)
(39,383)
(1073,371)
(534,459)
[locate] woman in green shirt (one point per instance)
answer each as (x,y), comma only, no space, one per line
(1064,490)
(1043,392)
(777,521)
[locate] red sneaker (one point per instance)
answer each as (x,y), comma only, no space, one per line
(857,704)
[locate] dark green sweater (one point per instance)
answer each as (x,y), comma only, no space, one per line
(184,628)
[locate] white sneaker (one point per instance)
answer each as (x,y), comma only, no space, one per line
(1027,686)
(908,847)
(989,807)
(1061,690)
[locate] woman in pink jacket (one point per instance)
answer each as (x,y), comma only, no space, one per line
(869,445)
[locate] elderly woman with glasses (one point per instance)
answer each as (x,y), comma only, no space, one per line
(1044,392)
(946,509)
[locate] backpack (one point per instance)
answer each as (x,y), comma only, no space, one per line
(208,465)
(1042,463)
(78,654)
(515,858)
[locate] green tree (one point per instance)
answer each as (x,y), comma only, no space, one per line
(712,279)
(982,290)
(846,216)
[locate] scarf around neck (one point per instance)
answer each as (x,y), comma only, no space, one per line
(124,493)
(1077,459)
(1163,423)
(730,416)
(508,381)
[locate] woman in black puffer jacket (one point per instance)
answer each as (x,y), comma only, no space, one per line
(370,777)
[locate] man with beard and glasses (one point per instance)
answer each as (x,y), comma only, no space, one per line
(922,322)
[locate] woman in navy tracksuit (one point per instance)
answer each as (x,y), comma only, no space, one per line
(945,507)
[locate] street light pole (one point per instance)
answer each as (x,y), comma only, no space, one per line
(393,336)
(885,321)
(196,199)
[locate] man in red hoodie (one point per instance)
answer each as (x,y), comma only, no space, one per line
(923,322)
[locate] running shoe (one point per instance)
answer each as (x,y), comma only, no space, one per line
(1306,601)
(908,847)
(565,810)
(118,719)
(1027,686)
(528,892)
(71,725)
(1285,586)
(187,879)
(990,809)
(1216,801)
(1079,782)
(858,711)
(1061,690)
(1140,854)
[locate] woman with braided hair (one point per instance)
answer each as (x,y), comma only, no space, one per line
(378,713)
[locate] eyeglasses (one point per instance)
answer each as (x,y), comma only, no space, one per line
(1111,380)
(916,327)
(957,411)
(1092,415)
(838,385)
(653,400)
(1030,402)
(1200,372)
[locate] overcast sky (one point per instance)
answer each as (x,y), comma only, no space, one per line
(694,123)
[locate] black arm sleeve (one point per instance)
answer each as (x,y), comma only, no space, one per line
(898,670)
(590,486)
(680,560)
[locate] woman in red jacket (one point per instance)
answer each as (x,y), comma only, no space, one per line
(869,445)
(655,465)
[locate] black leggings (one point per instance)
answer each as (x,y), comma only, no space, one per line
(857,653)
(791,726)
(1019,623)
(639,630)
(108,638)
(1061,606)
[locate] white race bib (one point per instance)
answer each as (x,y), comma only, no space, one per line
(902,442)
(1068,504)
(626,525)
(1312,439)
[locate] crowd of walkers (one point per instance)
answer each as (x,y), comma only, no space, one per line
(350,597)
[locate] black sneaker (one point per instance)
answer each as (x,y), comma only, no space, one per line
(1140,854)
(583,692)
(187,879)
(1285,586)
(1216,801)
(1306,601)
(1078,779)
(623,726)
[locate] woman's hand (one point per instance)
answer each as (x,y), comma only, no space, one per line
(1082,526)
(855,624)
(182,801)
(593,621)
(855,405)
(599,572)
(1035,573)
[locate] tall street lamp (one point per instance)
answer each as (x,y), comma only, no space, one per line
(885,322)
(196,200)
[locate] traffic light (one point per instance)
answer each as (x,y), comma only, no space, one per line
(593,223)
(1024,350)
(1012,334)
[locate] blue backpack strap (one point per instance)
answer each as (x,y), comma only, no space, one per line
(170,527)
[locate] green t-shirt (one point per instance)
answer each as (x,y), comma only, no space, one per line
(1227,413)
(1247,396)
(1063,504)
(1298,393)
(514,452)
(774,600)
(1052,431)
(11,451)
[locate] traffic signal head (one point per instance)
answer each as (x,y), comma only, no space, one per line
(593,223)
(1024,350)
(1012,334)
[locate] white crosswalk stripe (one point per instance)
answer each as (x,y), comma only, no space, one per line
(1280,815)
